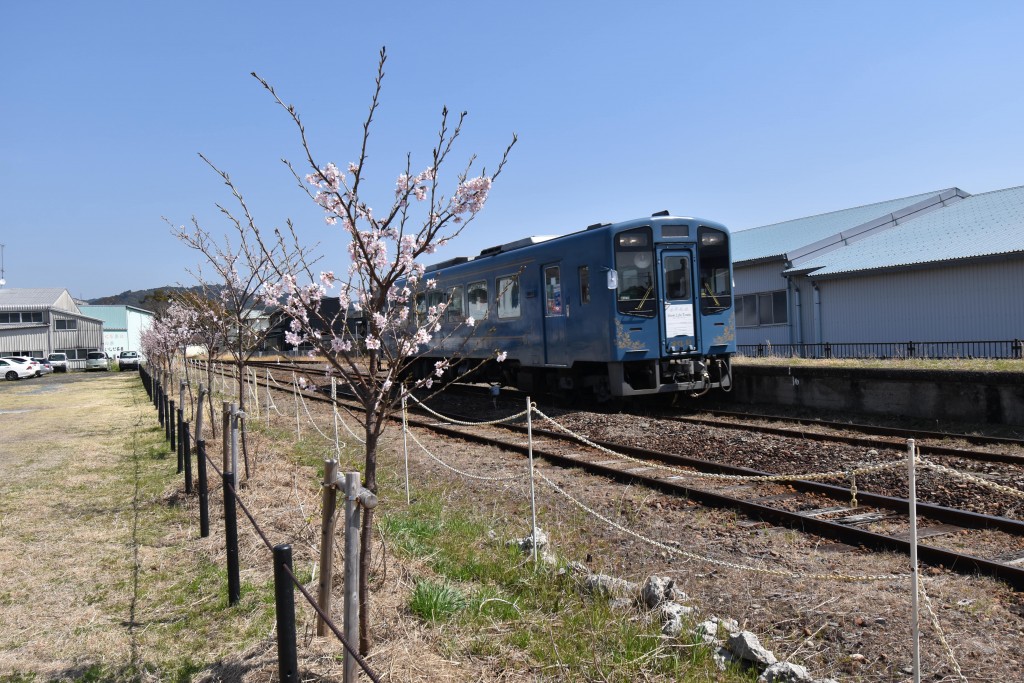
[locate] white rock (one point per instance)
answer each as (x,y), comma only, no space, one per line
(671,615)
(609,586)
(747,647)
(784,672)
(656,590)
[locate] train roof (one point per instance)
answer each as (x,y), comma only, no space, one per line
(659,217)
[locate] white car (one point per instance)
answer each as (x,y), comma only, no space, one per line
(96,360)
(59,361)
(10,369)
(25,360)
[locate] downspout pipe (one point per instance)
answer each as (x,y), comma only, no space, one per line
(817,312)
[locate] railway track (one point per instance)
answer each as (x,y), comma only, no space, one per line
(875,521)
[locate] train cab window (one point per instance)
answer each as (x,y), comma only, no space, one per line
(507,294)
(634,262)
(677,277)
(584,285)
(456,305)
(713,269)
(476,297)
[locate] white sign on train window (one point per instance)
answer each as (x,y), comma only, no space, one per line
(678,320)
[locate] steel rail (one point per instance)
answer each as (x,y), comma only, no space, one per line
(881,430)
(960,562)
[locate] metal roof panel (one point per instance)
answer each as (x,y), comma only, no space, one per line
(779,239)
(980,225)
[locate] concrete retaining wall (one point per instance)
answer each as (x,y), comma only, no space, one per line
(982,397)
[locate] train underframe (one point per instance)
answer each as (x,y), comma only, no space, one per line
(603,381)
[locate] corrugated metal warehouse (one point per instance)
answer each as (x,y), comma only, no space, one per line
(37,322)
(122,326)
(940,266)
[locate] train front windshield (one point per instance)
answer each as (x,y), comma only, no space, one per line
(634,261)
(713,268)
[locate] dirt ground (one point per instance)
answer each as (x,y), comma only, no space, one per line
(85,526)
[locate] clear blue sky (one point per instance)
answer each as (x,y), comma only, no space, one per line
(746,112)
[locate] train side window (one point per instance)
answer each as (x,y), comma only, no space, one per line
(476,297)
(552,291)
(421,305)
(507,294)
(456,306)
(584,285)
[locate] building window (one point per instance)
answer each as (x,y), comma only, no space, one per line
(764,308)
(25,317)
(507,293)
(61,324)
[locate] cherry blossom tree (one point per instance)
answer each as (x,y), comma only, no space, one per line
(241,268)
(166,339)
(386,315)
(212,328)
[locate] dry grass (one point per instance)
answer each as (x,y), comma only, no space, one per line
(937,364)
(106,578)
(99,578)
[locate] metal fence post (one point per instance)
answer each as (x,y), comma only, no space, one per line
(186,452)
(284,603)
(327,525)
(158,402)
(171,427)
(204,492)
(180,448)
(199,414)
(225,434)
(352,487)
(231,539)
(235,414)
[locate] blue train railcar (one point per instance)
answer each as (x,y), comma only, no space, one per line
(625,309)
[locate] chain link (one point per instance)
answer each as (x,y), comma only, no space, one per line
(1008,490)
(813,476)
(460,472)
(721,563)
(453,421)
(938,630)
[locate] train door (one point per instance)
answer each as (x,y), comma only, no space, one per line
(679,332)
(555,347)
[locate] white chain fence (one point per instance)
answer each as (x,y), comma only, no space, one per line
(460,472)
(451,420)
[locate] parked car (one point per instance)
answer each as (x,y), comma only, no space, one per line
(45,368)
(10,369)
(129,360)
(32,364)
(96,360)
(59,361)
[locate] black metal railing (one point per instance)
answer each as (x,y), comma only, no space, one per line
(1012,348)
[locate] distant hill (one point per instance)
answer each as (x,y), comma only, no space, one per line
(149,299)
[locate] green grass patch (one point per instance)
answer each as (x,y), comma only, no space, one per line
(432,601)
(494,603)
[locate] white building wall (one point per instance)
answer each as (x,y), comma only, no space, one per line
(754,279)
(980,301)
(138,321)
